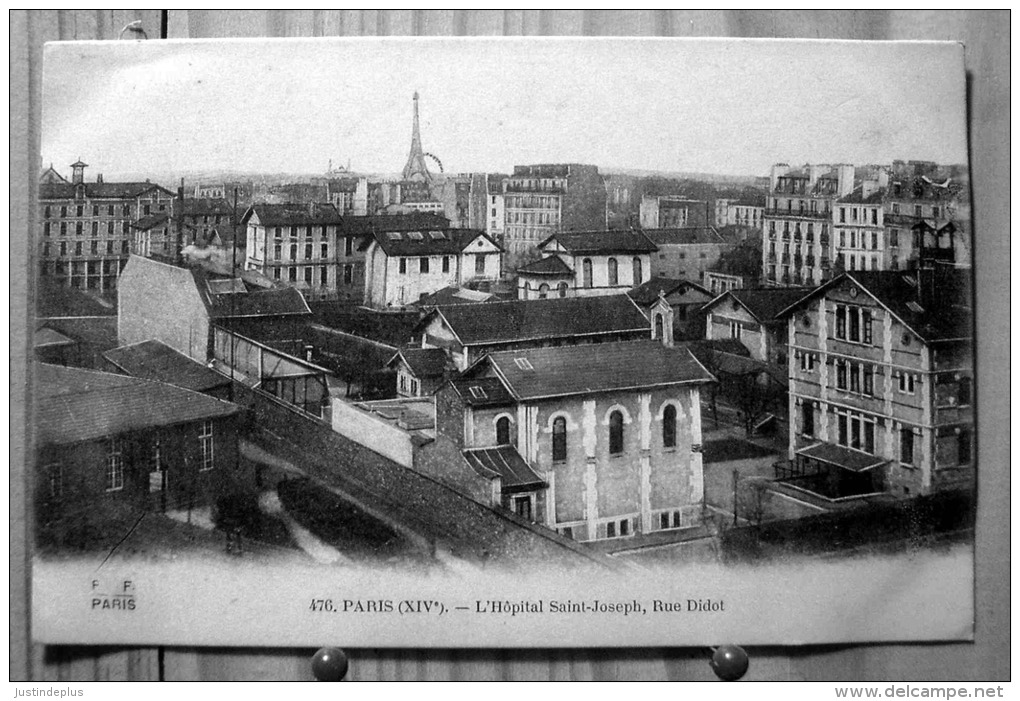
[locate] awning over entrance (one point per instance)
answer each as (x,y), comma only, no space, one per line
(507,463)
(839,456)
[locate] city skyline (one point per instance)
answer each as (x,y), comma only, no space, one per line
(186,106)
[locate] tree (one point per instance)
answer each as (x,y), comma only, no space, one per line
(753,395)
(753,498)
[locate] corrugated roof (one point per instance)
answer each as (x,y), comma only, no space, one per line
(596,367)
(603,242)
(153,360)
(77,405)
(687,235)
(550,265)
(507,463)
(519,320)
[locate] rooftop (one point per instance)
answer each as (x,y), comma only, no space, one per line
(411,221)
(153,360)
(519,320)
(602,242)
(77,405)
(424,362)
(454,295)
(686,235)
(482,391)
(296,214)
(764,303)
(598,367)
(506,463)
(550,265)
(646,293)
(427,242)
(104,190)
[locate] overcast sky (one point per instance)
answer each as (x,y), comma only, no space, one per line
(284,105)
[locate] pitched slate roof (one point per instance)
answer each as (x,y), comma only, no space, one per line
(504,462)
(646,293)
(839,456)
(429,242)
(151,221)
(54,299)
(283,302)
(519,320)
(197,207)
(597,367)
(936,310)
(454,295)
(412,221)
(98,191)
(550,265)
(153,360)
(424,362)
(296,214)
(78,405)
(482,391)
(602,242)
(857,197)
(684,236)
(764,303)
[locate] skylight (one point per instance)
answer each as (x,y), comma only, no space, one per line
(477,392)
(437,235)
(523,363)
(915,307)
(393,235)
(415,235)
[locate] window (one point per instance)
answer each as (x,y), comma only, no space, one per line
(963,447)
(906,383)
(79,228)
(611,529)
(324,276)
(842,215)
(277,251)
(109,210)
(403,266)
(669,426)
(559,439)
(658,326)
(423,265)
(308,275)
(293,252)
(109,228)
(918,210)
(127,210)
(735,329)
(615,433)
(115,466)
(894,237)
(479,264)
(55,475)
(614,278)
(63,248)
(324,250)
(807,426)
(46,229)
(95,228)
(543,291)
(503,430)
(94,247)
(276,273)
(292,274)
(907,446)
(562,289)
(446,264)
(868,380)
(874,216)
(522,507)
(841,374)
(807,362)
(348,274)
(586,272)
(205,440)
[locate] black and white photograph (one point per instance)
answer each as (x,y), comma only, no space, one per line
(503,343)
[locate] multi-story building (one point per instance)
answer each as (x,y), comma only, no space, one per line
(744,212)
(86,227)
(686,253)
(301,245)
(203,216)
(495,219)
(859,240)
(403,266)
(923,207)
(609,435)
(348,195)
(798,222)
(111,447)
(881,384)
(587,264)
(541,200)
(672,212)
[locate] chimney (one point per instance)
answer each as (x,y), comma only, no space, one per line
(845,183)
(99,178)
(778,170)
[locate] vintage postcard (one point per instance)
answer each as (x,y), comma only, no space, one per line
(502,342)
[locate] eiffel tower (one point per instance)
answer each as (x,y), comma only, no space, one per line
(416,170)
